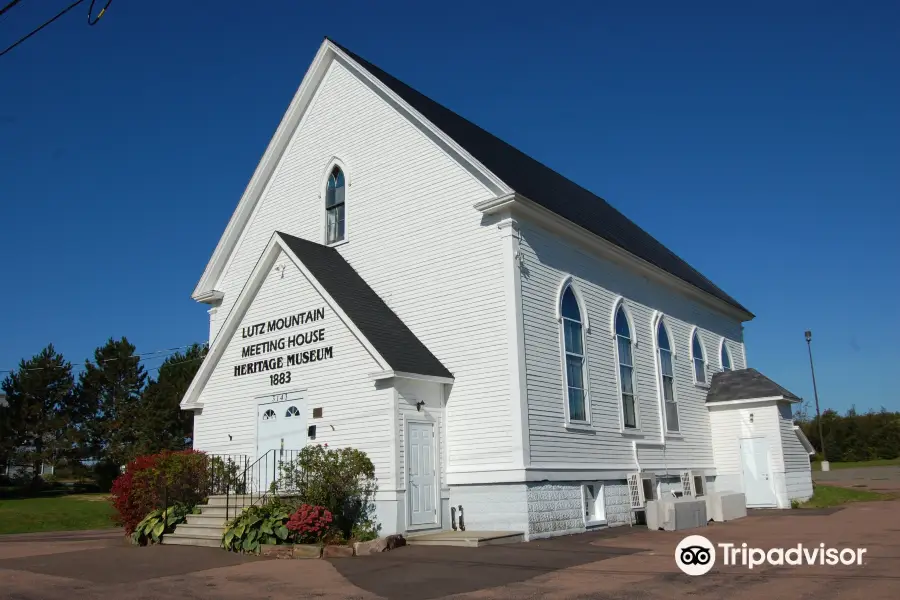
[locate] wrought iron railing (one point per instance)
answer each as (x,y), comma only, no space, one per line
(269,474)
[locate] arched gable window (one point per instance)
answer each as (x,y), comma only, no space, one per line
(292,411)
(699,357)
(624,343)
(725,357)
(334,207)
(573,351)
(666,375)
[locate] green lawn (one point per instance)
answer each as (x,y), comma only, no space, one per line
(60,513)
(826,496)
(884,462)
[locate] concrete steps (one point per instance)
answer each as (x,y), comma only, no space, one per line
(469,539)
(206,529)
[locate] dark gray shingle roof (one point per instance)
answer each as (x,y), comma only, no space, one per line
(390,336)
(744,384)
(543,185)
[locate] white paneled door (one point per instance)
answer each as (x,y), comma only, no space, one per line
(280,427)
(422,481)
(757,474)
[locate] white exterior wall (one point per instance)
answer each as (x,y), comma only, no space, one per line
(547,261)
(413,236)
(729,424)
(797,468)
(358,412)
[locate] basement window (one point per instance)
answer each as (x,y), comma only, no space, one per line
(593,504)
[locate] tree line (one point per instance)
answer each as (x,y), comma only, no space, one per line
(853,436)
(110,413)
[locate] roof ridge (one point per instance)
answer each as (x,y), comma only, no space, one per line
(523,179)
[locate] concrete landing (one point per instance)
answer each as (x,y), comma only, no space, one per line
(470,539)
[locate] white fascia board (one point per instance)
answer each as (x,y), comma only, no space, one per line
(273,249)
(391,374)
(279,143)
(804,441)
(547,219)
(750,401)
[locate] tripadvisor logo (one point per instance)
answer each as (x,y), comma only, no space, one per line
(696,555)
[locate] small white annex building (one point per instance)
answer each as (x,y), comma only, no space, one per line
(493,335)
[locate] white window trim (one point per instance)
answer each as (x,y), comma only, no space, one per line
(620,303)
(333,162)
(723,347)
(586,425)
(695,331)
(658,319)
(601,496)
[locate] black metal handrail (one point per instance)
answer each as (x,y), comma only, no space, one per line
(221,475)
(261,478)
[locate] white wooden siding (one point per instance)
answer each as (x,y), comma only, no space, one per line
(413,236)
(730,423)
(547,261)
(796,458)
(358,412)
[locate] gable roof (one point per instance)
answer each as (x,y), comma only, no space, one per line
(399,346)
(541,184)
(396,349)
(745,384)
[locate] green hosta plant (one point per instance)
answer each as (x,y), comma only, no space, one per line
(160,522)
(256,525)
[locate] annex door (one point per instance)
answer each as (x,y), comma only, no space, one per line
(422,484)
(280,433)
(757,476)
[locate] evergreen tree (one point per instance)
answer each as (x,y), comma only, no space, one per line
(111,387)
(163,425)
(39,421)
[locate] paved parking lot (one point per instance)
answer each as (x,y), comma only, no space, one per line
(878,479)
(622,563)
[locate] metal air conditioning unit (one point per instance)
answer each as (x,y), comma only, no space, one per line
(726,506)
(675,514)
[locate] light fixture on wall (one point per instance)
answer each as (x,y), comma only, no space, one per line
(229,437)
(419,405)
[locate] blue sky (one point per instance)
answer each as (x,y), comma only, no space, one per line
(761,143)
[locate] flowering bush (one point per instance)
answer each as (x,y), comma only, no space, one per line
(310,524)
(342,481)
(150,481)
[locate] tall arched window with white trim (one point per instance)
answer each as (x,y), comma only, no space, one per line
(573,349)
(334,207)
(624,343)
(666,376)
(725,357)
(699,357)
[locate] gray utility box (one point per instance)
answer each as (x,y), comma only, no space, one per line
(675,514)
(726,506)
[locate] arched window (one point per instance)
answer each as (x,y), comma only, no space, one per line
(573,349)
(292,412)
(699,358)
(269,415)
(626,367)
(666,375)
(725,357)
(334,207)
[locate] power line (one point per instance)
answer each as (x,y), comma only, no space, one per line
(8,6)
(91,20)
(140,357)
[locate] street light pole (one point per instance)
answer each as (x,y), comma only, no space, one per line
(825,465)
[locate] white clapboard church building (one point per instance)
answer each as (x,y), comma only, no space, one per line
(493,335)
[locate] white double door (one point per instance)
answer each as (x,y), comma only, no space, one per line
(757,474)
(421,473)
(280,433)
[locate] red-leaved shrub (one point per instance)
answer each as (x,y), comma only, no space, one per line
(152,480)
(310,523)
